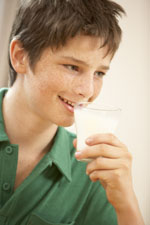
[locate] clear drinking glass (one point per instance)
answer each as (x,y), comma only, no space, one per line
(92,118)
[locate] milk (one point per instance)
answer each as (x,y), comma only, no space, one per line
(89,122)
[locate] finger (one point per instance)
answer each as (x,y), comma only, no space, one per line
(102,163)
(113,177)
(102,150)
(107,138)
(102,175)
(75,142)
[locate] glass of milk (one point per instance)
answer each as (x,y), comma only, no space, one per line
(92,118)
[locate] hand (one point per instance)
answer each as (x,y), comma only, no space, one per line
(111,165)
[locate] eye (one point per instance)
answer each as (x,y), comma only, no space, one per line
(99,74)
(71,67)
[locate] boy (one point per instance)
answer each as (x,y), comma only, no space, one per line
(59,52)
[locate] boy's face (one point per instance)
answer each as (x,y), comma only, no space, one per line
(73,73)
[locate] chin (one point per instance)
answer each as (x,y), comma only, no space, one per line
(65,123)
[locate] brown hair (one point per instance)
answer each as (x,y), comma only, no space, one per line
(43,23)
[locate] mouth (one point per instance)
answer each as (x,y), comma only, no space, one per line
(67,101)
(69,105)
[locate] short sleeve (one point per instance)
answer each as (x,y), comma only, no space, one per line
(97,210)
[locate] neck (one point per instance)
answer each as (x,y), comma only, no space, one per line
(22,126)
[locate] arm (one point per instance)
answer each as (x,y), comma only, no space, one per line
(130,214)
(111,165)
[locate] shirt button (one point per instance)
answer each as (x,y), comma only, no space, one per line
(9,150)
(6,186)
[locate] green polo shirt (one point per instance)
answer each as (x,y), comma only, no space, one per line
(57,192)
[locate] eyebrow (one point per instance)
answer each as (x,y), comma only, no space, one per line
(84,63)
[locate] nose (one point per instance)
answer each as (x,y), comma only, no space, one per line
(84,86)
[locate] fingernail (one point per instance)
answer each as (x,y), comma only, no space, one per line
(89,140)
(77,153)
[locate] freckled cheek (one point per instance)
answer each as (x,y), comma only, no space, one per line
(49,85)
(47,89)
(97,90)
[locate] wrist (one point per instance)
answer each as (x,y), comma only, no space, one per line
(129,213)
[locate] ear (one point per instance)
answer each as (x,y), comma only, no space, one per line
(18,57)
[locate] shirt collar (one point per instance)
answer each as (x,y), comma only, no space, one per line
(60,152)
(3,135)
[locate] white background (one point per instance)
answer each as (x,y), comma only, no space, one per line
(127,86)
